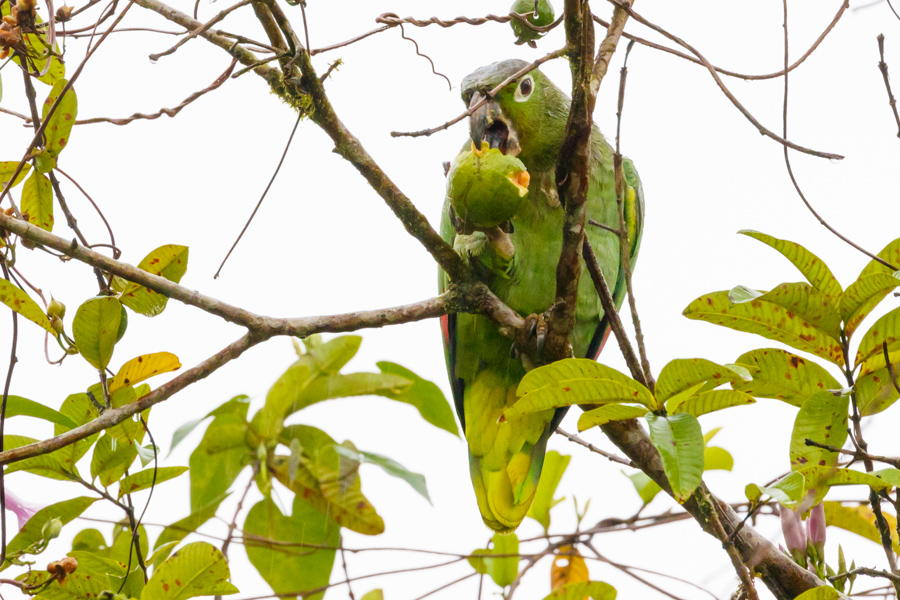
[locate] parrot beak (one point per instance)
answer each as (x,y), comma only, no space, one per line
(489,124)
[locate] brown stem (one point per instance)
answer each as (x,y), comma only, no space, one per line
(882,66)
(784,578)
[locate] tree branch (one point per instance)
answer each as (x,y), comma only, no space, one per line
(784,578)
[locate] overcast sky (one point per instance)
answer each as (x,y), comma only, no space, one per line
(324,242)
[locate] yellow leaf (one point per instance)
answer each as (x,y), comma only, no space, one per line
(568,567)
(143,367)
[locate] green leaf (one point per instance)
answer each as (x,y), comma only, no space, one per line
(768,320)
(144,367)
(555,465)
(783,376)
(237,405)
(885,330)
(581,368)
(144,479)
(597,590)
(80,409)
(178,530)
(808,303)
(60,123)
(110,464)
(646,488)
(326,482)
(713,400)
(572,391)
(329,357)
(218,460)
(7,168)
(863,296)
(169,261)
(52,465)
(890,253)
(93,563)
(198,569)
(37,201)
(821,479)
(822,419)
(823,592)
(305,569)
(683,374)
(78,585)
(374,595)
(161,553)
(679,440)
(859,520)
(715,458)
(427,397)
(345,386)
(890,475)
(18,406)
(390,466)
(875,391)
(65,511)
(787,491)
(811,266)
(38,53)
(96,329)
(608,414)
(22,303)
(503,570)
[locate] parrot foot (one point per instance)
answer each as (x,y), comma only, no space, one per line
(536,335)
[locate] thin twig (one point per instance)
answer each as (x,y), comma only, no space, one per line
(882,66)
(199,30)
(895,579)
(845,4)
(112,238)
(611,313)
(612,457)
(488,97)
(426,57)
(169,112)
(790,170)
(759,126)
(263,196)
(625,249)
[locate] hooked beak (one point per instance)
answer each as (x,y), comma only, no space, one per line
(489,124)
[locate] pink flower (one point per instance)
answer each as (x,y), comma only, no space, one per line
(815,526)
(794,534)
(24,510)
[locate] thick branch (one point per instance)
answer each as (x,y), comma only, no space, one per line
(572,175)
(352,150)
(784,578)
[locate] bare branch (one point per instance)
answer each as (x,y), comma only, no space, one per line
(882,66)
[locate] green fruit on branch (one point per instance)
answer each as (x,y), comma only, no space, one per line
(486,187)
(544,17)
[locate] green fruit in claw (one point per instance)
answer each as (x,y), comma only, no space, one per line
(545,16)
(486,187)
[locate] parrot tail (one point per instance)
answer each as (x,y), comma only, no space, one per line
(505,456)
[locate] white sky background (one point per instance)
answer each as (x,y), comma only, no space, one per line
(325,243)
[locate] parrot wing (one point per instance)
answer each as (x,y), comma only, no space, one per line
(634,222)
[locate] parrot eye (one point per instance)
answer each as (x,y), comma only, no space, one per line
(526,86)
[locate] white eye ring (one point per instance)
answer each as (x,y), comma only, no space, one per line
(524,89)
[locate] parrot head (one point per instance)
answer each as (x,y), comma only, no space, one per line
(526,119)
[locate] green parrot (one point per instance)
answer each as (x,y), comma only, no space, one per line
(517,260)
